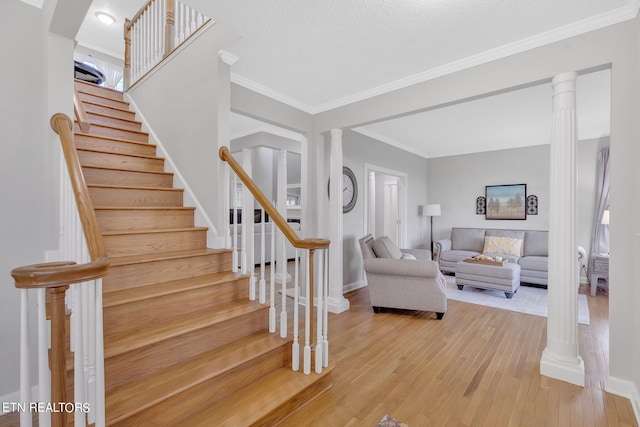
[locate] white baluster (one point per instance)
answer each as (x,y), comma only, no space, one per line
(77,323)
(25,365)
(243,223)
(319,352)
(325,286)
(295,348)
(93,360)
(199,20)
(283,272)
(234,254)
(99,346)
(262,297)
(307,319)
(272,279)
(183,23)
(44,377)
(193,25)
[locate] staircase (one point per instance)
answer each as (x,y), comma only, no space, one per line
(183,344)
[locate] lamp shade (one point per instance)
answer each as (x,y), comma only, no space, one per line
(605,217)
(432,210)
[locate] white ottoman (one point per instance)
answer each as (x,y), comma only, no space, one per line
(501,278)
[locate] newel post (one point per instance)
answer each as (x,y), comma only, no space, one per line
(170,28)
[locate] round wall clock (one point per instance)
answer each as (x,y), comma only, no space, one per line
(349,189)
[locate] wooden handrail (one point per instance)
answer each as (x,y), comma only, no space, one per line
(81,113)
(283,225)
(56,277)
(135,18)
(63,126)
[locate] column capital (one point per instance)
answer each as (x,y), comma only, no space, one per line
(227,58)
(564,88)
(336,133)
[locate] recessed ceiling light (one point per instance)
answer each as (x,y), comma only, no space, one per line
(105,18)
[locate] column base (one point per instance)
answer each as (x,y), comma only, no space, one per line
(563,369)
(335,306)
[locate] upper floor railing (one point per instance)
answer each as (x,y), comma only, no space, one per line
(154,32)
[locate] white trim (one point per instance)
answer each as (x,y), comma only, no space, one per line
(389,141)
(334,305)
(271,129)
(571,371)
(354,286)
(368,167)
(34,3)
(611,17)
(625,389)
(15,397)
(213,238)
(270,93)
(227,57)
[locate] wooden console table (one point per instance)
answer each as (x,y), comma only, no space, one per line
(600,270)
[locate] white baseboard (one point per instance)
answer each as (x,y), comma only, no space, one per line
(353,286)
(334,305)
(14,397)
(626,389)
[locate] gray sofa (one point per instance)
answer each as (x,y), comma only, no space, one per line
(403,279)
(533,256)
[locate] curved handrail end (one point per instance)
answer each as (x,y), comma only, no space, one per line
(60,117)
(61,273)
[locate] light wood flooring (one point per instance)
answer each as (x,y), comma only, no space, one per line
(478,366)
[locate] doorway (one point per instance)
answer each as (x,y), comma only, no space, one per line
(386,203)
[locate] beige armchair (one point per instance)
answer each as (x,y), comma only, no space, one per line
(395,281)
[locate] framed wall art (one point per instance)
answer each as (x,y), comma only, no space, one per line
(506,201)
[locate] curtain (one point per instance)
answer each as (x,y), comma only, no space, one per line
(600,234)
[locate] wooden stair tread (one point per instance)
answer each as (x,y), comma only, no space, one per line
(86,92)
(263,397)
(112,138)
(135,338)
(130,398)
(151,231)
(132,187)
(111,126)
(139,259)
(141,156)
(124,170)
(95,113)
(130,295)
(144,208)
(106,89)
(97,104)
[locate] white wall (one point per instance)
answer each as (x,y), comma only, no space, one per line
(456,181)
(187,114)
(358,150)
(37,83)
(615,46)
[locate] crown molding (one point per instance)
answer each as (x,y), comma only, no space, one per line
(270,93)
(590,24)
(389,141)
(612,17)
(272,130)
(34,3)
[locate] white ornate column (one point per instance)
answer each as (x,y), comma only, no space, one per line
(337,302)
(560,358)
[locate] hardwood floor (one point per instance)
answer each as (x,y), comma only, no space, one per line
(478,366)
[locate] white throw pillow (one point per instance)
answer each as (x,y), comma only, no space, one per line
(502,245)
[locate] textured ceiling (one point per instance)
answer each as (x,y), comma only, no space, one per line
(316,55)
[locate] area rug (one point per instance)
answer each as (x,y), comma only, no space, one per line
(388,421)
(527,300)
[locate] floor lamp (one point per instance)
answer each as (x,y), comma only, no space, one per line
(431,211)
